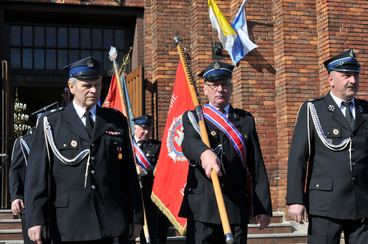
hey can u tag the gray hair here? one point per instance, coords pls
(73, 80)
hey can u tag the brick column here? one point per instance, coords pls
(297, 72)
(168, 18)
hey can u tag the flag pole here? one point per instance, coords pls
(128, 113)
(215, 180)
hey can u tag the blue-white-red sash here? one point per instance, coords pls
(142, 160)
(220, 121)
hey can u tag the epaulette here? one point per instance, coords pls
(241, 112)
(315, 99)
(114, 110)
(154, 141)
(52, 111)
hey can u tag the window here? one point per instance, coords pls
(51, 47)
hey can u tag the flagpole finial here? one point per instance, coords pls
(177, 40)
(113, 53)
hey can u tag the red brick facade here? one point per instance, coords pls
(294, 38)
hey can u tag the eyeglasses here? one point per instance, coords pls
(216, 85)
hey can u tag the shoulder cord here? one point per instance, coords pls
(196, 128)
(25, 149)
(217, 150)
(327, 142)
(50, 139)
(193, 122)
(317, 124)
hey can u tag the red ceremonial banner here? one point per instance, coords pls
(114, 98)
(172, 167)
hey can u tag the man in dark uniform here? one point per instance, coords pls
(81, 182)
(235, 155)
(147, 151)
(17, 173)
(329, 157)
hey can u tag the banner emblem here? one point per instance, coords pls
(174, 139)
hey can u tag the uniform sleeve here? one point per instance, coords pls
(132, 184)
(36, 181)
(298, 157)
(261, 194)
(17, 172)
(192, 145)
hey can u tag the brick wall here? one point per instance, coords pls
(294, 38)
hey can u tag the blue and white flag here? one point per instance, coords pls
(242, 44)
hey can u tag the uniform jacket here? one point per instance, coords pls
(110, 201)
(151, 149)
(199, 200)
(17, 171)
(336, 186)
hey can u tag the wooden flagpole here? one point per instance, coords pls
(215, 180)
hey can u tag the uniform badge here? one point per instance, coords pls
(245, 136)
(336, 132)
(213, 133)
(331, 107)
(74, 143)
(120, 155)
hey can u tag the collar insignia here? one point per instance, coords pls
(331, 108)
(360, 108)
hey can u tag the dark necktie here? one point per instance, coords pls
(348, 115)
(89, 123)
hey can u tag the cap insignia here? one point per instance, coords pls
(216, 65)
(351, 53)
(90, 63)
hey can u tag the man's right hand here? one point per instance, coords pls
(16, 206)
(35, 234)
(140, 171)
(210, 162)
(298, 213)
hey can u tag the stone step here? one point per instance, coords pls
(11, 242)
(277, 238)
(10, 224)
(272, 228)
(278, 231)
(10, 234)
(277, 217)
(7, 214)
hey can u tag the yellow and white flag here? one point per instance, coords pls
(226, 32)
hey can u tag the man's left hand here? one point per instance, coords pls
(263, 220)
